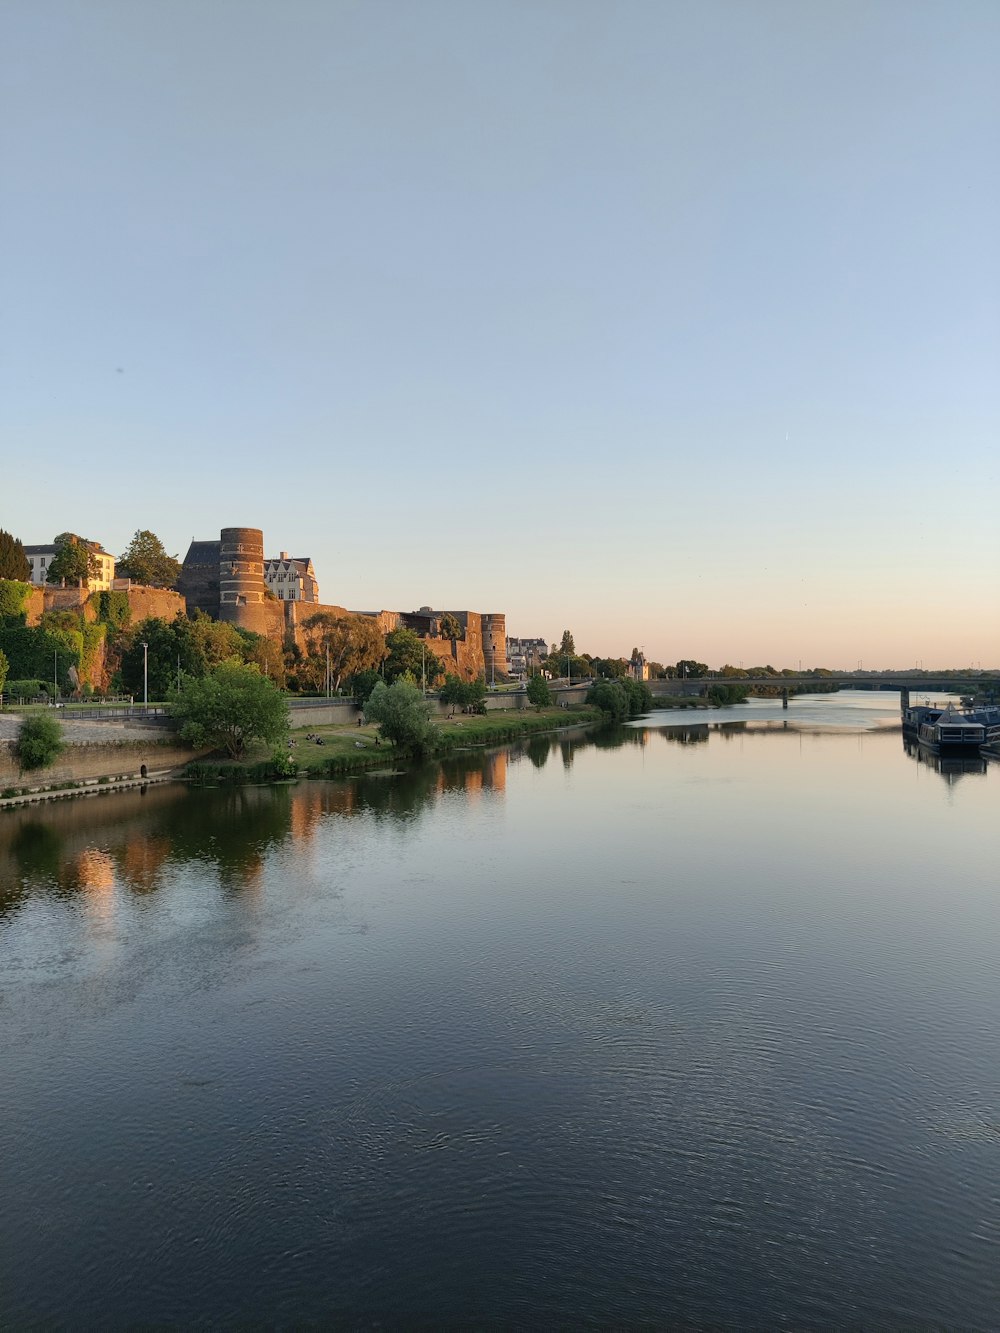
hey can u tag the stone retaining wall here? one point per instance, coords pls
(110, 760)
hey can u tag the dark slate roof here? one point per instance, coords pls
(203, 553)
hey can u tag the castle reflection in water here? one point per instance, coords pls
(134, 841)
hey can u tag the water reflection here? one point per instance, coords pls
(678, 1025)
(135, 840)
(949, 767)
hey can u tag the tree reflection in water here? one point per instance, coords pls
(132, 842)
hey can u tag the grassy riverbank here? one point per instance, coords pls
(338, 750)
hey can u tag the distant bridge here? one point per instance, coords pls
(907, 682)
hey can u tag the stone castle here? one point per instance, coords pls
(231, 580)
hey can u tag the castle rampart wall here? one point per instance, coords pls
(143, 602)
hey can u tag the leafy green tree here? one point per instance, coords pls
(640, 697)
(732, 673)
(611, 697)
(354, 643)
(13, 562)
(723, 695)
(39, 742)
(13, 601)
(73, 561)
(232, 707)
(538, 693)
(264, 653)
(567, 646)
(402, 715)
(465, 693)
(362, 683)
(209, 642)
(451, 626)
(146, 561)
(166, 641)
(576, 668)
(453, 691)
(4, 668)
(614, 668)
(687, 667)
(407, 655)
(620, 698)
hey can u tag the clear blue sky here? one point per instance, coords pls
(674, 324)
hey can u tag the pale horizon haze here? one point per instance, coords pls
(676, 325)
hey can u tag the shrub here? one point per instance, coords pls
(538, 692)
(39, 742)
(402, 716)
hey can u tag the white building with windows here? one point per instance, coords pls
(41, 557)
(524, 656)
(291, 578)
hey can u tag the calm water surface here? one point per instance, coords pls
(698, 1021)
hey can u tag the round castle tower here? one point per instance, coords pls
(241, 574)
(494, 644)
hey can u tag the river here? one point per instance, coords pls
(694, 1022)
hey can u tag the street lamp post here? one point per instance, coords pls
(145, 674)
(55, 674)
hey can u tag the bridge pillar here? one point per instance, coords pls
(784, 697)
(904, 698)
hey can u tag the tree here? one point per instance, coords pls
(723, 695)
(407, 654)
(13, 603)
(13, 562)
(73, 561)
(354, 644)
(233, 706)
(402, 715)
(567, 646)
(620, 698)
(465, 693)
(451, 626)
(264, 653)
(209, 642)
(4, 668)
(687, 668)
(453, 691)
(362, 683)
(615, 668)
(156, 666)
(640, 697)
(146, 561)
(538, 692)
(610, 697)
(39, 742)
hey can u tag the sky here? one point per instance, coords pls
(673, 324)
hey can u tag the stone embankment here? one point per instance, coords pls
(100, 755)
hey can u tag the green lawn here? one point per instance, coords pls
(346, 748)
